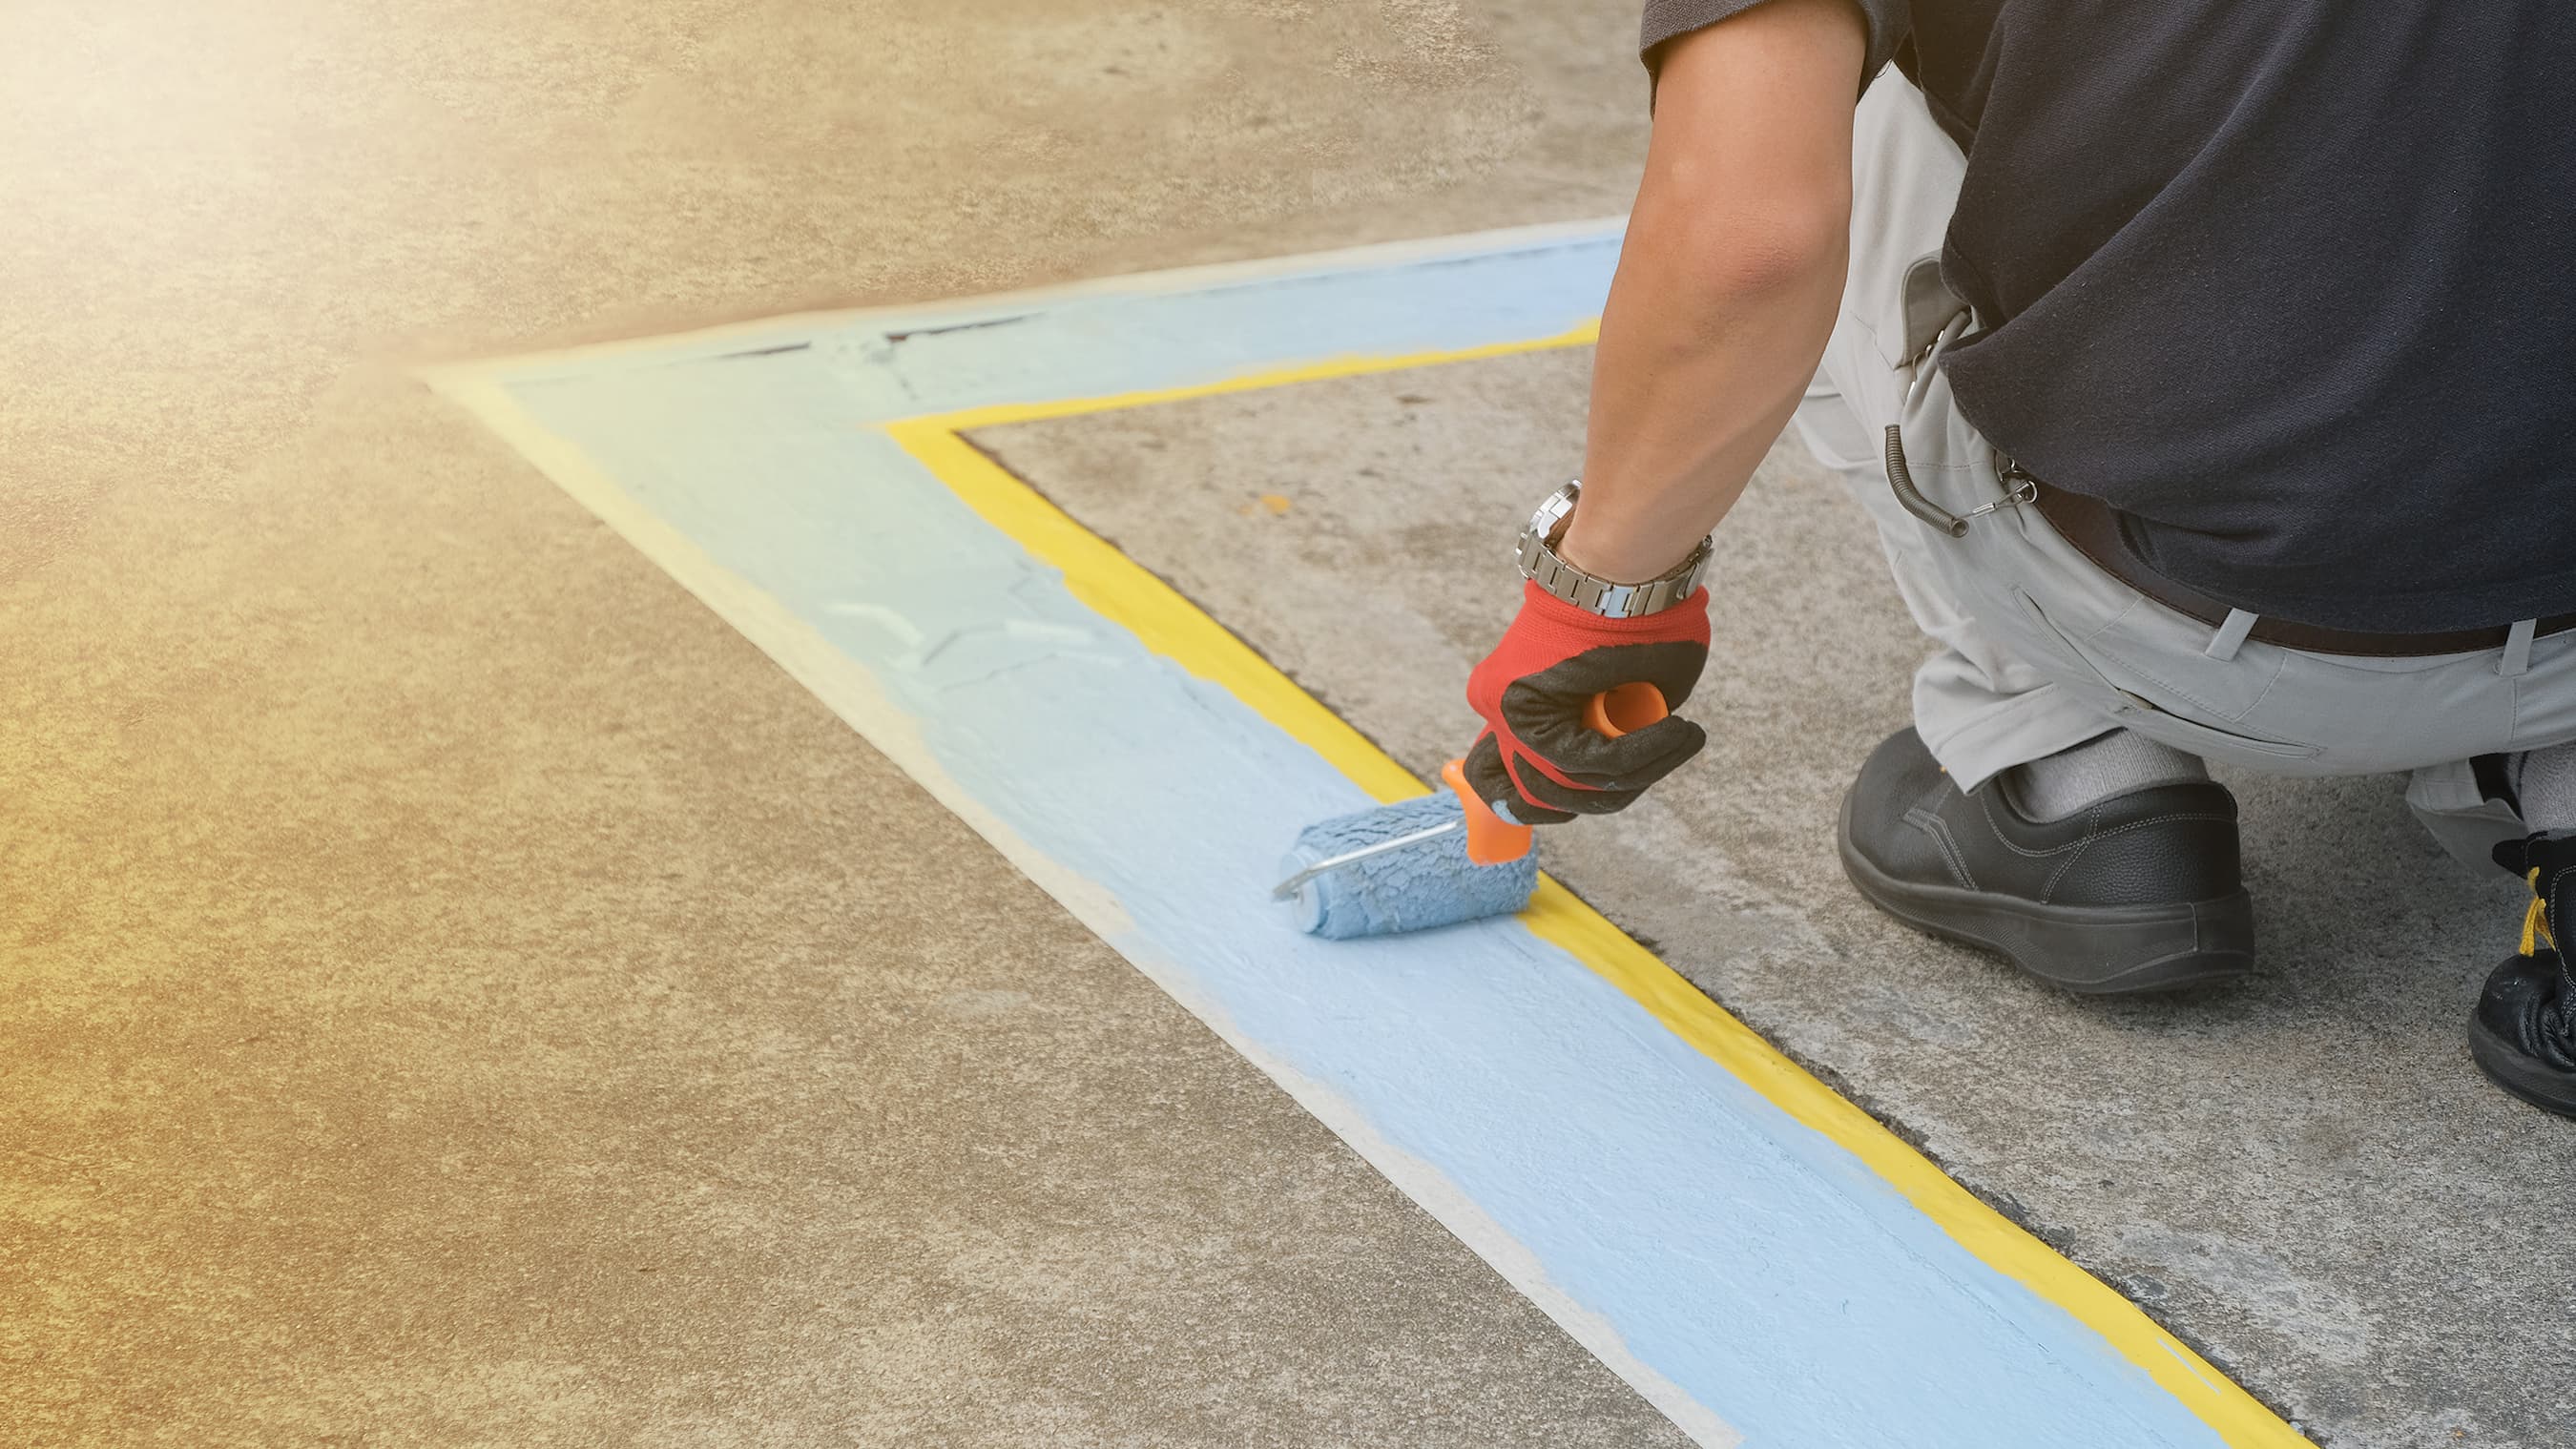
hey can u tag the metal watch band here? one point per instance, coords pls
(1541, 566)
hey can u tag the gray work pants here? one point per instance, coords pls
(2039, 649)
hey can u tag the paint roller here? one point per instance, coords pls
(1434, 860)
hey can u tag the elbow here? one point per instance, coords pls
(1718, 252)
(1781, 250)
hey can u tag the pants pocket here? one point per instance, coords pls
(2132, 704)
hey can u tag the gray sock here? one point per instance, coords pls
(2545, 781)
(2101, 767)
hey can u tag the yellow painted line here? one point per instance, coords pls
(1129, 595)
(1357, 365)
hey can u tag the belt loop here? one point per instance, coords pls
(2224, 643)
(2517, 649)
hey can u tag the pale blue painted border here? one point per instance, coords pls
(1747, 1273)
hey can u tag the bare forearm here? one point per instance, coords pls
(1690, 387)
(1728, 285)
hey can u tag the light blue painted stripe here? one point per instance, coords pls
(890, 366)
(1747, 1261)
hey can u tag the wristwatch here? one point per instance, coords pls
(1540, 564)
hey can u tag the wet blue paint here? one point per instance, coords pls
(1747, 1259)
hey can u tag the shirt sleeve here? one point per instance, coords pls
(1889, 23)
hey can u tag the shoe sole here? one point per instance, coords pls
(2513, 1071)
(2094, 950)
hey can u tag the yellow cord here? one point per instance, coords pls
(2535, 921)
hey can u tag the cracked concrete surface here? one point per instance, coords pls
(2304, 1176)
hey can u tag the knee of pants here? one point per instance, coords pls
(2451, 806)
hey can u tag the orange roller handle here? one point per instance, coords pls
(1492, 840)
(1624, 710)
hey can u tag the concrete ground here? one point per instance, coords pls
(459, 993)
(2303, 1176)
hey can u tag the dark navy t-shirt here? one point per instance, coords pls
(2289, 283)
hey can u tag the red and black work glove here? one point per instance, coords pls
(1537, 762)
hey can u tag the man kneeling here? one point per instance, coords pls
(2211, 398)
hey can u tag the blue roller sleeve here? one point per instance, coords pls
(1412, 888)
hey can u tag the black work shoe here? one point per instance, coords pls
(2523, 1034)
(2140, 892)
